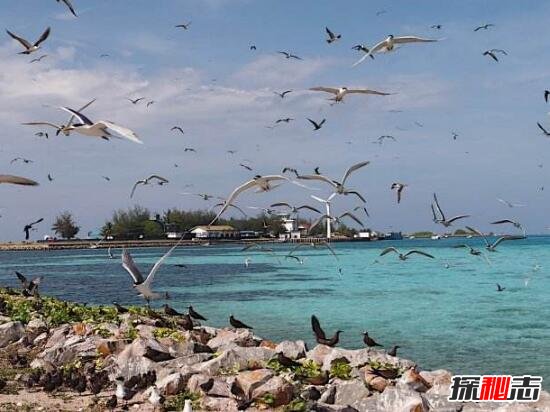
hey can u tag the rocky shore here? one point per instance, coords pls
(62, 356)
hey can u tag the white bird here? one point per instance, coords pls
(340, 92)
(510, 204)
(100, 128)
(262, 183)
(143, 286)
(247, 262)
(155, 398)
(160, 181)
(187, 406)
(30, 48)
(109, 253)
(388, 45)
(336, 219)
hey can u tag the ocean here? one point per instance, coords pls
(443, 312)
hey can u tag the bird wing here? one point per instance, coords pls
(438, 207)
(131, 268)
(488, 53)
(412, 39)
(281, 204)
(503, 238)
(419, 252)
(353, 217)
(542, 128)
(162, 179)
(356, 193)
(317, 177)
(330, 34)
(43, 37)
(319, 220)
(477, 232)
(353, 169)
(239, 209)
(314, 123)
(388, 250)
(499, 222)
(81, 109)
(21, 40)
(17, 180)
(21, 277)
(324, 89)
(123, 131)
(157, 266)
(379, 46)
(367, 91)
(78, 115)
(316, 326)
(41, 124)
(325, 244)
(457, 218)
(245, 186)
(309, 208)
(70, 6)
(36, 222)
(139, 182)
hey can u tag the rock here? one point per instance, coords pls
(281, 391)
(324, 355)
(58, 336)
(131, 361)
(267, 344)
(311, 393)
(219, 404)
(325, 407)
(235, 360)
(353, 393)
(292, 349)
(228, 338)
(329, 395)
(413, 380)
(37, 324)
(249, 380)
(108, 347)
(11, 332)
(40, 339)
(402, 399)
(438, 377)
(171, 384)
(378, 384)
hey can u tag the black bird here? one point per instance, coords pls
(286, 120)
(484, 27)
(436, 26)
(195, 315)
(69, 6)
(546, 133)
(546, 93)
(500, 288)
(237, 324)
(289, 55)
(245, 166)
(42, 134)
(286, 361)
(320, 336)
(27, 229)
(180, 265)
(29, 287)
(290, 169)
(367, 340)
(317, 126)
(316, 171)
(253, 47)
(473, 251)
(177, 128)
(170, 311)
(136, 101)
(492, 53)
(184, 26)
(283, 94)
(364, 49)
(120, 309)
(332, 37)
(50, 178)
(186, 322)
(393, 351)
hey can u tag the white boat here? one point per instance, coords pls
(435, 237)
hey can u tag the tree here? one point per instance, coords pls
(127, 224)
(65, 226)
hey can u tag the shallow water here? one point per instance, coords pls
(449, 318)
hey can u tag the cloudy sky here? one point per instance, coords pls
(208, 81)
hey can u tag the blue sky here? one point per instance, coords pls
(208, 81)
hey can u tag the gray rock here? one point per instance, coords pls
(292, 349)
(281, 390)
(324, 355)
(171, 384)
(402, 398)
(209, 403)
(235, 360)
(329, 395)
(10, 332)
(353, 393)
(250, 380)
(229, 338)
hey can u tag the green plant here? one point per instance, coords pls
(169, 333)
(340, 369)
(177, 402)
(309, 369)
(296, 405)
(131, 333)
(268, 399)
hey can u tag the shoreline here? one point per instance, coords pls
(58, 355)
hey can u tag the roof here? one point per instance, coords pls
(220, 228)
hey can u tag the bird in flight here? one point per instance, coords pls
(178, 128)
(320, 336)
(436, 26)
(30, 48)
(160, 181)
(510, 204)
(317, 126)
(546, 133)
(492, 247)
(500, 288)
(389, 43)
(484, 27)
(517, 225)
(284, 120)
(441, 219)
(38, 59)
(17, 180)
(151, 102)
(334, 218)
(289, 55)
(405, 256)
(332, 37)
(29, 287)
(42, 134)
(492, 53)
(189, 149)
(546, 93)
(283, 94)
(184, 26)
(363, 48)
(245, 166)
(340, 92)
(69, 6)
(136, 101)
(50, 178)
(26, 161)
(27, 229)
(398, 187)
(107, 178)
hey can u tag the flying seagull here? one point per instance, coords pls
(245, 166)
(30, 48)
(283, 94)
(492, 247)
(388, 45)
(363, 48)
(510, 204)
(27, 229)
(472, 251)
(405, 256)
(38, 59)
(484, 27)
(332, 37)
(339, 187)
(341, 92)
(500, 288)
(17, 180)
(177, 128)
(398, 187)
(546, 133)
(363, 208)
(294, 209)
(26, 161)
(100, 128)
(546, 93)
(317, 126)
(29, 287)
(441, 219)
(436, 26)
(285, 120)
(69, 6)
(513, 223)
(136, 101)
(184, 26)
(289, 55)
(160, 181)
(143, 286)
(492, 53)
(336, 219)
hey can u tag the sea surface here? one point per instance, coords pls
(444, 312)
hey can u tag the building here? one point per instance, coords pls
(215, 232)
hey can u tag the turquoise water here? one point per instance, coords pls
(449, 318)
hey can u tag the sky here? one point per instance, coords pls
(208, 81)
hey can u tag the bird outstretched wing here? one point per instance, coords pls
(316, 326)
(130, 266)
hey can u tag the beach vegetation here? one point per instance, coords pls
(309, 369)
(340, 369)
(296, 405)
(177, 402)
(169, 333)
(65, 226)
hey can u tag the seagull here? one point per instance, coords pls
(331, 36)
(17, 180)
(289, 55)
(317, 126)
(381, 139)
(316, 171)
(184, 26)
(406, 255)
(285, 120)
(484, 27)
(253, 47)
(500, 288)
(38, 59)
(546, 93)
(515, 224)
(388, 45)
(177, 128)
(472, 251)
(283, 94)
(315, 245)
(189, 149)
(290, 169)
(155, 397)
(136, 101)
(247, 262)
(492, 247)
(399, 188)
(442, 218)
(245, 166)
(339, 187)
(69, 6)
(149, 103)
(436, 26)
(30, 48)
(29, 287)
(300, 261)
(30, 227)
(455, 135)
(546, 133)
(340, 92)
(160, 181)
(50, 178)
(262, 183)
(42, 134)
(204, 196)
(107, 178)
(493, 52)
(99, 128)
(336, 219)
(320, 336)
(26, 161)
(363, 208)
(143, 286)
(294, 209)
(509, 204)
(65, 129)
(221, 204)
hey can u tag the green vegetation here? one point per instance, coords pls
(131, 333)
(65, 226)
(297, 405)
(422, 234)
(268, 399)
(340, 368)
(177, 402)
(309, 369)
(169, 333)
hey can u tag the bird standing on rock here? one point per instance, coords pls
(368, 340)
(237, 324)
(195, 315)
(393, 351)
(170, 311)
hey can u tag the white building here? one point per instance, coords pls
(215, 232)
